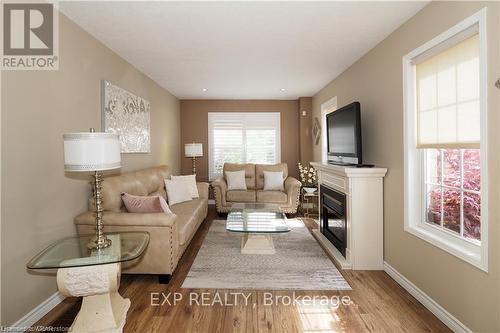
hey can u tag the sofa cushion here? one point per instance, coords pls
(191, 181)
(271, 196)
(188, 213)
(273, 181)
(240, 196)
(236, 180)
(259, 172)
(249, 172)
(144, 182)
(177, 191)
(145, 204)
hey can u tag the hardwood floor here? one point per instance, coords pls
(378, 304)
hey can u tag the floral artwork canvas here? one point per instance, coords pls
(127, 115)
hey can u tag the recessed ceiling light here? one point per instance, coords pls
(204, 89)
(282, 89)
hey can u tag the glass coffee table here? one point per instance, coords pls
(257, 222)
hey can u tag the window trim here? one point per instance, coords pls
(414, 223)
(211, 115)
(326, 108)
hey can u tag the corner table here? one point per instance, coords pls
(94, 275)
(309, 203)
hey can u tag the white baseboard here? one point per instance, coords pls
(41, 310)
(447, 318)
(211, 201)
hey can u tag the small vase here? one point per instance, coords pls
(310, 190)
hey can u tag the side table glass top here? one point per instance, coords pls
(256, 218)
(73, 251)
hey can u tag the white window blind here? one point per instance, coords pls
(448, 104)
(242, 137)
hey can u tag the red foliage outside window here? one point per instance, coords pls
(452, 191)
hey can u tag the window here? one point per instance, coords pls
(453, 191)
(242, 137)
(445, 141)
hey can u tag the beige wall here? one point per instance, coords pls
(38, 200)
(375, 80)
(305, 124)
(194, 128)
(0, 196)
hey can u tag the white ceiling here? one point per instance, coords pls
(241, 50)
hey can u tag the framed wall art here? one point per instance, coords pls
(127, 115)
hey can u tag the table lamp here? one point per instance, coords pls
(93, 152)
(193, 150)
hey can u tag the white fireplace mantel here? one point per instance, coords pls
(363, 188)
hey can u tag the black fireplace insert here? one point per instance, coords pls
(333, 219)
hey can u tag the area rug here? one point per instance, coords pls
(299, 263)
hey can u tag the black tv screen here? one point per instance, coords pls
(344, 132)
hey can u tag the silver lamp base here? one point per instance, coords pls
(98, 244)
(100, 241)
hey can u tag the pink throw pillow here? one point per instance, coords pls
(143, 204)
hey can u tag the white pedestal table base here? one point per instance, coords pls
(103, 309)
(257, 244)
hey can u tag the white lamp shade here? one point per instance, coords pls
(193, 149)
(91, 151)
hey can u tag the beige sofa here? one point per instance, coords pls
(288, 199)
(170, 234)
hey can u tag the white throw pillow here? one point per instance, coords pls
(236, 180)
(177, 191)
(191, 182)
(273, 181)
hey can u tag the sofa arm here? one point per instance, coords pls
(129, 219)
(292, 184)
(220, 189)
(292, 189)
(203, 190)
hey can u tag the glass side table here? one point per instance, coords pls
(93, 275)
(309, 203)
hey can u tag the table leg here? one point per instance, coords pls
(103, 308)
(257, 244)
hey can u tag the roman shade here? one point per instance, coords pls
(447, 93)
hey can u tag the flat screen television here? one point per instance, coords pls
(344, 135)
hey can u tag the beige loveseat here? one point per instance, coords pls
(170, 234)
(288, 199)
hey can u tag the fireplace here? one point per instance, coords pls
(333, 217)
